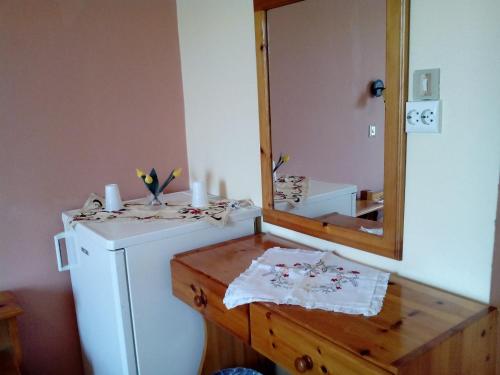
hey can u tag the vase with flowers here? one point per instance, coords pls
(152, 183)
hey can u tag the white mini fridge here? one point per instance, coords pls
(129, 321)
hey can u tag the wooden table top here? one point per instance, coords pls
(8, 306)
(414, 316)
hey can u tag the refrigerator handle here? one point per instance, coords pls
(57, 238)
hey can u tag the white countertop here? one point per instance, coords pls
(117, 235)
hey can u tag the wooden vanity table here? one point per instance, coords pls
(305, 100)
(420, 330)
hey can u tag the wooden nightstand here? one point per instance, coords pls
(10, 345)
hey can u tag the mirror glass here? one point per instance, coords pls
(326, 79)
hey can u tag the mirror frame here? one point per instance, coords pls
(390, 244)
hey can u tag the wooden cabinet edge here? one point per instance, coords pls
(238, 349)
(469, 350)
(488, 313)
(243, 334)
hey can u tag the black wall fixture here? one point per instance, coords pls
(377, 88)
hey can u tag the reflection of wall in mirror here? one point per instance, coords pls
(323, 55)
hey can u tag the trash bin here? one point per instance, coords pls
(237, 371)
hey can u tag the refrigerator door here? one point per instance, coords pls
(169, 335)
(100, 291)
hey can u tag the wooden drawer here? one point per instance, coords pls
(206, 295)
(294, 347)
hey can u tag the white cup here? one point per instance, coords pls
(113, 199)
(200, 196)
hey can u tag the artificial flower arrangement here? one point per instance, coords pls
(282, 160)
(153, 184)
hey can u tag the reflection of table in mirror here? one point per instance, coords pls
(324, 198)
(371, 210)
(355, 223)
(364, 207)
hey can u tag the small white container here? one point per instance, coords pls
(113, 198)
(200, 196)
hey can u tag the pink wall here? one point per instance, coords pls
(323, 55)
(90, 90)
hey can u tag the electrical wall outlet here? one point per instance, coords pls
(423, 116)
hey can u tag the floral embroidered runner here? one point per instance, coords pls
(291, 189)
(312, 279)
(216, 213)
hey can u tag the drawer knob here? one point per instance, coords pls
(197, 301)
(304, 363)
(200, 300)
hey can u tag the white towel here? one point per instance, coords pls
(312, 279)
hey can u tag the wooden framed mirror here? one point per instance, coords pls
(332, 77)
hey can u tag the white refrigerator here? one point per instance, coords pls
(129, 321)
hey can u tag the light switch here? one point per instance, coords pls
(423, 116)
(426, 84)
(372, 131)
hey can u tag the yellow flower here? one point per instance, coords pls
(139, 173)
(286, 158)
(177, 172)
(148, 179)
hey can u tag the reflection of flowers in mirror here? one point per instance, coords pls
(284, 158)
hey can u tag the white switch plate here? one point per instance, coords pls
(426, 84)
(423, 116)
(372, 131)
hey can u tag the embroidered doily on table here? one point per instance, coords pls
(312, 279)
(291, 189)
(216, 213)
